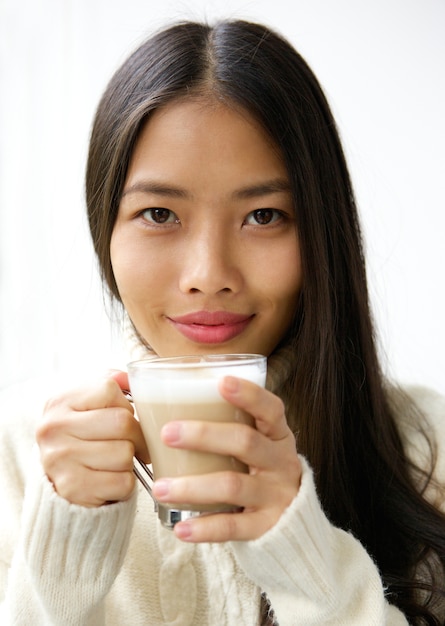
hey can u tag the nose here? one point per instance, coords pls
(211, 263)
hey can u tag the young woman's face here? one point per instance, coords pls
(205, 248)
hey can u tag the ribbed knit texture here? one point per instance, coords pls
(66, 565)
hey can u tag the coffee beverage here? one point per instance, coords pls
(171, 462)
(186, 388)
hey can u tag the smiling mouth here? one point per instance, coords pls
(211, 327)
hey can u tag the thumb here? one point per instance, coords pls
(121, 378)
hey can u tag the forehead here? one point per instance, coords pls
(205, 106)
(204, 136)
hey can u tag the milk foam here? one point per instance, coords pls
(181, 386)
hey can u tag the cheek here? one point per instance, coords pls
(281, 278)
(282, 289)
(287, 299)
(133, 270)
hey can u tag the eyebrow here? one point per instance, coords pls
(159, 189)
(276, 185)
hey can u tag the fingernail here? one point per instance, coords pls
(161, 488)
(171, 432)
(183, 531)
(231, 384)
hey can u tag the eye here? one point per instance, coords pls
(263, 217)
(159, 215)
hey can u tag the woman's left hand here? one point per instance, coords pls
(270, 452)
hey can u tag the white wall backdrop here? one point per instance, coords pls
(382, 65)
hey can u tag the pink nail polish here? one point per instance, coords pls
(231, 384)
(183, 531)
(161, 488)
(171, 432)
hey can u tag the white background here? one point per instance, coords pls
(381, 63)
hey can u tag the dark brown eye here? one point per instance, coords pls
(160, 216)
(263, 217)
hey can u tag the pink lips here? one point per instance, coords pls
(211, 326)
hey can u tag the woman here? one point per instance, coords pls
(223, 218)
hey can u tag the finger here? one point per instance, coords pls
(95, 424)
(94, 488)
(252, 492)
(265, 407)
(223, 527)
(105, 393)
(229, 439)
(114, 423)
(217, 488)
(121, 378)
(110, 424)
(108, 456)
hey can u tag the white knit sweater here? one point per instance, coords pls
(63, 564)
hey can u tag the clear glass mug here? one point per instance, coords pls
(186, 388)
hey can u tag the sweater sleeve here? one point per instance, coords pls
(314, 573)
(66, 557)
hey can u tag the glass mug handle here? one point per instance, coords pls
(139, 469)
(168, 516)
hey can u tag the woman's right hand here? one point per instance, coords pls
(87, 441)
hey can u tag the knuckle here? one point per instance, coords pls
(280, 408)
(53, 457)
(58, 464)
(49, 426)
(110, 389)
(54, 402)
(232, 483)
(230, 526)
(69, 486)
(122, 422)
(247, 439)
(126, 484)
(44, 430)
(66, 486)
(201, 430)
(295, 469)
(126, 454)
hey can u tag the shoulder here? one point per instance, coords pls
(19, 413)
(21, 407)
(420, 416)
(416, 407)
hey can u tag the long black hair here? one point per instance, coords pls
(335, 393)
